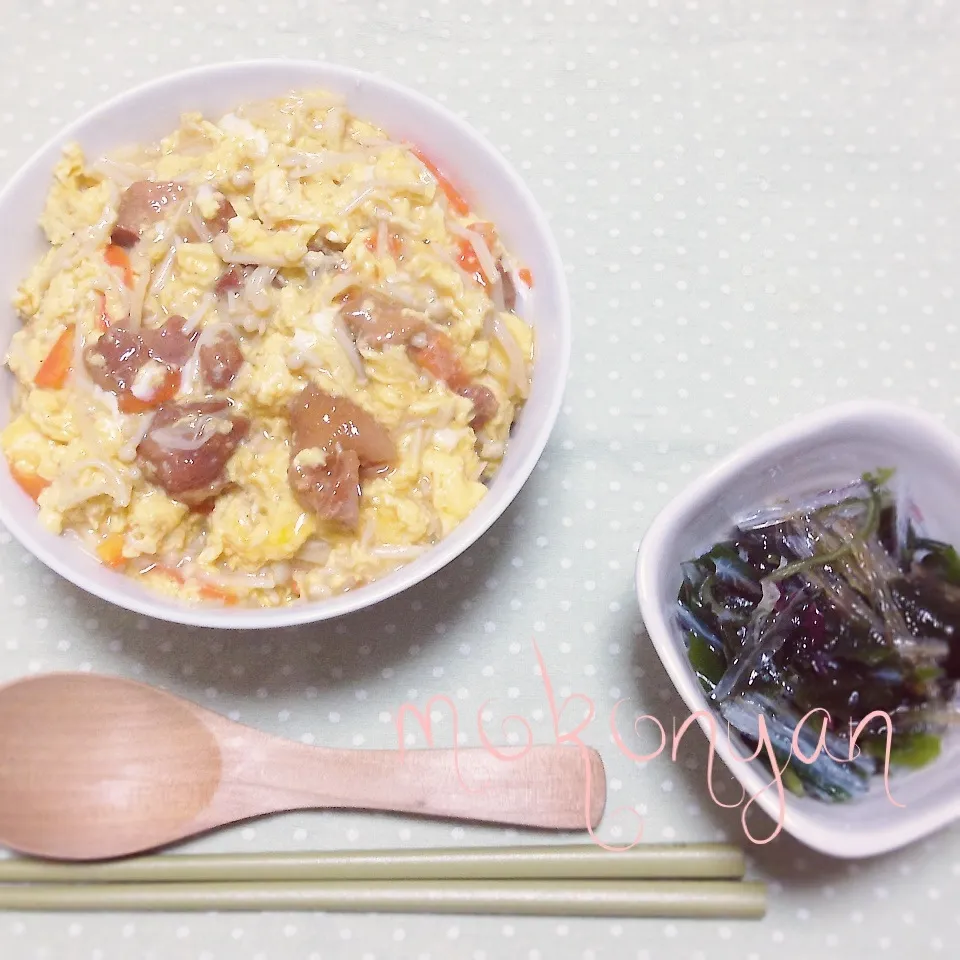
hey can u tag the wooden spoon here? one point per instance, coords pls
(93, 767)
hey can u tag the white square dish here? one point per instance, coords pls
(834, 446)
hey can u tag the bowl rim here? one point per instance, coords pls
(484, 516)
(813, 831)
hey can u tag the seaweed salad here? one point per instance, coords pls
(841, 602)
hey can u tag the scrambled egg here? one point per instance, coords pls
(318, 202)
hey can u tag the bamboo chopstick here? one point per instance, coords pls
(582, 898)
(575, 861)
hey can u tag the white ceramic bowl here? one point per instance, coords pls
(487, 181)
(811, 454)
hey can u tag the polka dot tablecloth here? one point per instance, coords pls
(758, 204)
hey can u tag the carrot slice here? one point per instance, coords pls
(110, 551)
(210, 592)
(56, 365)
(467, 258)
(167, 390)
(454, 197)
(394, 244)
(31, 484)
(172, 572)
(206, 590)
(486, 230)
(526, 275)
(103, 321)
(439, 357)
(118, 257)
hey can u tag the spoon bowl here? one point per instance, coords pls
(95, 767)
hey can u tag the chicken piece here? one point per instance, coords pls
(170, 343)
(143, 203)
(378, 320)
(230, 279)
(323, 422)
(114, 361)
(508, 286)
(118, 356)
(187, 447)
(484, 404)
(333, 439)
(220, 361)
(330, 491)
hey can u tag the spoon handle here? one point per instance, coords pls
(546, 786)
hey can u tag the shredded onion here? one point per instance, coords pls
(224, 248)
(336, 123)
(163, 272)
(366, 536)
(375, 186)
(451, 261)
(194, 320)
(398, 295)
(255, 288)
(128, 452)
(484, 257)
(235, 304)
(120, 172)
(199, 227)
(138, 295)
(109, 284)
(340, 285)
(357, 200)
(416, 445)
(518, 367)
(496, 294)
(315, 552)
(78, 369)
(108, 217)
(317, 264)
(349, 348)
(382, 239)
(191, 433)
(191, 369)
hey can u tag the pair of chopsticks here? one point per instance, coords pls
(650, 880)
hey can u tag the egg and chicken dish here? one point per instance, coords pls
(268, 359)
